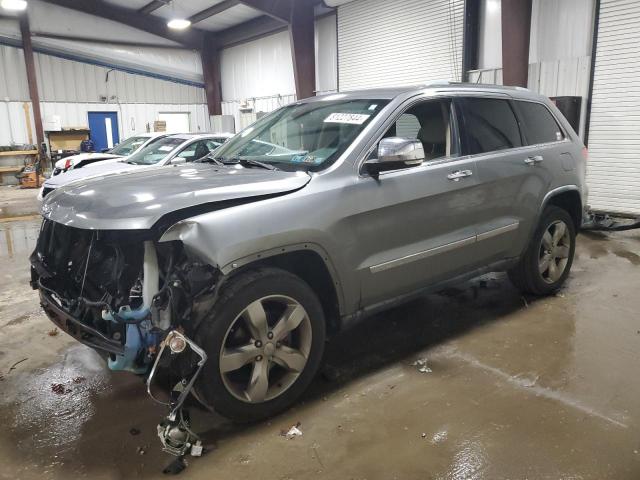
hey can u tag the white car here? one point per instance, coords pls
(172, 149)
(125, 148)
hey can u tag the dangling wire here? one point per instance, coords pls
(86, 266)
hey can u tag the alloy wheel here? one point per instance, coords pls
(265, 349)
(555, 247)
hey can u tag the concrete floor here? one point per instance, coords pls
(518, 388)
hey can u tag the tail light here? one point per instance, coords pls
(585, 153)
(67, 164)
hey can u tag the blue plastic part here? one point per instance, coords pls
(137, 337)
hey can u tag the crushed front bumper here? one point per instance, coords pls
(78, 330)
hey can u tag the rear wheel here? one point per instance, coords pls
(545, 265)
(265, 341)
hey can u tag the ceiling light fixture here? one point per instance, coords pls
(178, 23)
(16, 5)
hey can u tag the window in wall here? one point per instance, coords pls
(538, 124)
(489, 125)
(177, 122)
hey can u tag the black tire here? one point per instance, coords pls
(235, 297)
(526, 275)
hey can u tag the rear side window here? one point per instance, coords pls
(538, 124)
(489, 125)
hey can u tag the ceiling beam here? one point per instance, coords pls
(278, 9)
(213, 10)
(152, 6)
(191, 37)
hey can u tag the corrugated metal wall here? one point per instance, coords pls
(614, 133)
(259, 73)
(383, 43)
(62, 80)
(132, 117)
(71, 89)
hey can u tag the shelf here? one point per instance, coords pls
(18, 152)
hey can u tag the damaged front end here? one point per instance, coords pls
(130, 298)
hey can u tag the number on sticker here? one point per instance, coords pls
(351, 118)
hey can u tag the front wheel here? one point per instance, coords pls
(264, 339)
(545, 265)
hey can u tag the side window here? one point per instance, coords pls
(428, 122)
(489, 125)
(195, 151)
(538, 124)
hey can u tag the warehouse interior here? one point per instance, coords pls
(473, 381)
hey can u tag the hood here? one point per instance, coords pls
(75, 159)
(137, 200)
(90, 171)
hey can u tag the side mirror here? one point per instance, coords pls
(178, 160)
(395, 153)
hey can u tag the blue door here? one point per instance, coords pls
(104, 130)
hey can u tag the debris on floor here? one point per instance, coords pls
(293, 432)
(78, 380)
(421, 363)
(175, 467)
(54, 332)
(13, 367)
(59, 389)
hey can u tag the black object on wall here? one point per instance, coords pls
(570, 108)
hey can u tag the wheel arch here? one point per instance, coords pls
(308, 261)
(569, 199)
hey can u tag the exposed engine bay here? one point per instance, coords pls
(135, 301)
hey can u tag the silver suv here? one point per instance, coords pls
(231, 272)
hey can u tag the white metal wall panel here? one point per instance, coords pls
(614, 133)
(62, 80)
(265, 104)
(13, 74)
(384, 43)
(133, 118)
(259, 68)
(326, 46)
(13, 124)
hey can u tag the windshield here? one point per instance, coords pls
(128, 146)
(307, 136)
(157, 151)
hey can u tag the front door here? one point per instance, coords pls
(104, 130)
(417, 224)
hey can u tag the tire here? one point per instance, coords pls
(229, 338)
(527, 275)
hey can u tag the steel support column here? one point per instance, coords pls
(516, 28)
(210, 54)
(32, 82)
(302, 33)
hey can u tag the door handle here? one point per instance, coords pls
(458, 174)
(534, 160)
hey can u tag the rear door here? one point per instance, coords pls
(511, 174)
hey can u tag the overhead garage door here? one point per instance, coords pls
(613, 173)
(385, 43)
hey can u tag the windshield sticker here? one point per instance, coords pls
(351, 118)
(165, 148)
(373, 107)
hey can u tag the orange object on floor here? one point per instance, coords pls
(29, 180)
